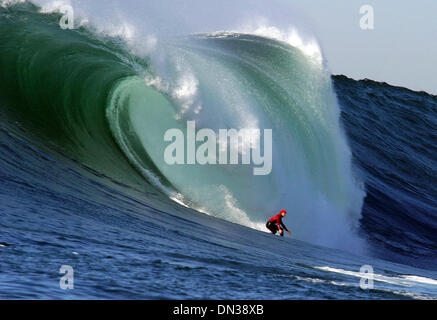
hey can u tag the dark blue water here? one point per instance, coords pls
(70, 196)
(392, 132)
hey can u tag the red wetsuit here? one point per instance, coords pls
(275, 223)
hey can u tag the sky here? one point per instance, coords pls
(401, 49)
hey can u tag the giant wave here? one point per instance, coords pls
(92, 97)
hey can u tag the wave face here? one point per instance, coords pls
(89, 97)
(393, 132)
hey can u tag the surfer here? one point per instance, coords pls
(275, 223)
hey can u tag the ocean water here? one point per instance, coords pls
(83, 182)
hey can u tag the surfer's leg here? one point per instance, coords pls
(272, 227)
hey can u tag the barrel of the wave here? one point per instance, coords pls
(238, 81)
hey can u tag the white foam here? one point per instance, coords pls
(183, 89)
(420, 279)
(290, 35)
(403, 280)
(5, 3)
(356, 285)
(55, 6)
(185, 92)
(231, 212)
